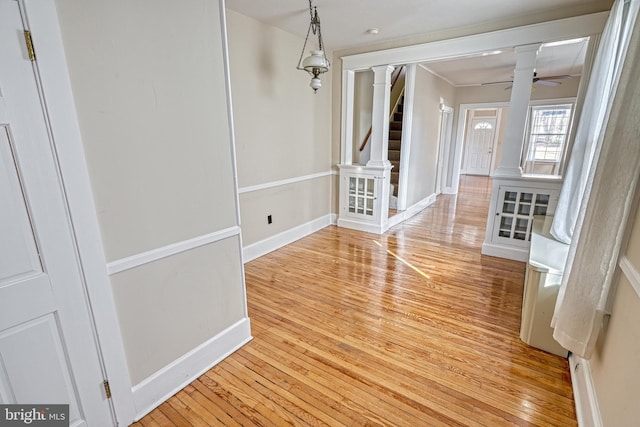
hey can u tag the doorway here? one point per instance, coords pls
(480, 141)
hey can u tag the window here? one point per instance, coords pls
(548, 131)
(483, 125)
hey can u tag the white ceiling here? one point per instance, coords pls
(497, 66)
(345, 23)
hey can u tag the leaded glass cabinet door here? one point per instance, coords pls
(361, 196)
(514, 214)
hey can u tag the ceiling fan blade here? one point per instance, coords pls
(546, 83)
(565, 76)
(496, 83)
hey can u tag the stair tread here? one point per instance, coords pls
(395, 144)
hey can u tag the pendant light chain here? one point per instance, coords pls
(304, 46)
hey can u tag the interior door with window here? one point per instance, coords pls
(479, 145)
(48, 347)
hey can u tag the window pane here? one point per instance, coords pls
(483, 125)
(548, 130)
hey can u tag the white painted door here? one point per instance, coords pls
(479, 152)
(48, 348)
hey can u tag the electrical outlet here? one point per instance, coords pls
(269, 219)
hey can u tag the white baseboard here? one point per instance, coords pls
(394, 220)
(263, 247)
(164, 383)
(361, 226)
(334, 218)
(508, 252)
(587, 409)
(449, 190)
(412, 211)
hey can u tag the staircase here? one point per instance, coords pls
(395, 131)
(395, 141)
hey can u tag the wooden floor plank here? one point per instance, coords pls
(458, 366)
(172, 414)
(330, 402)
(159, 418)
(224, 399)
(414, 327)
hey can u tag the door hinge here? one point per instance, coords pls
(29, 41)
(107, 389)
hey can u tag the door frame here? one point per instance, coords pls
(460, 135)
(494, 141)
(52, 77)
(444, 145)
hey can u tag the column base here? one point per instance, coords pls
(503, 172)
(379, 163)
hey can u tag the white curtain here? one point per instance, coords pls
(604, 177)
(591, 124)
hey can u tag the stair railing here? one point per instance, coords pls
(394, 77)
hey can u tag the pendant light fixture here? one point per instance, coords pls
(316, 63)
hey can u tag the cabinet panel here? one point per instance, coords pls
(361, 195)
(514, 212)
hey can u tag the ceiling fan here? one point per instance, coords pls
(542, 81)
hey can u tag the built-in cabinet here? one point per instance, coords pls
(515, 211)
(545, 267)
(364, 197)
(514, 204)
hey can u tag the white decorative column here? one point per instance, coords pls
(516, 199)
(380, 116)
(518, 107)
(364, 190)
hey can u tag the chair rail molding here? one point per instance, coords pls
(146, 257)
(281, 182)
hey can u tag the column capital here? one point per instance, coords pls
(526, 56)
(380, 116)
(535, 47)
(382, 74)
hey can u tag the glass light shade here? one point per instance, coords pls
(315, 84)
(315, 61)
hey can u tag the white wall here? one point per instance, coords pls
(282, 129)
(149, 87)
(615, 366)
(423, 160)
(362, 110)
(497, 94)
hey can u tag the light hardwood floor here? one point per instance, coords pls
(411, 328)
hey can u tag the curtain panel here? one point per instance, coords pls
(605, 175)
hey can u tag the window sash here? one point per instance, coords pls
(548, 132)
